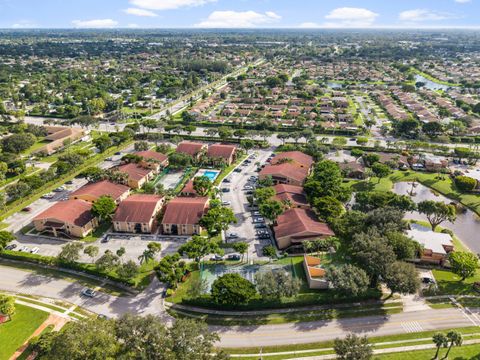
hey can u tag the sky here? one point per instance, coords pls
(239, 13)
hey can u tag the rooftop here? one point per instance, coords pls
(138, 208)
(185, 210)
(70, 211)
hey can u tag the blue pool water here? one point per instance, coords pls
(212, 175)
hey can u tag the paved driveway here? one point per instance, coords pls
(239, 204)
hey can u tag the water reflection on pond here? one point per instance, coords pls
(429, 84)
(467, 225)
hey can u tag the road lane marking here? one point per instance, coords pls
(412, 326)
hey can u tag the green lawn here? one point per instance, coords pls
(15, 332)
(457, 353)
(99, 231)
(450, 284)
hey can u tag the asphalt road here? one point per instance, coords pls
(150, 302)
(25, 282)
(298, 333)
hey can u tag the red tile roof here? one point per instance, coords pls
(134, 171)
(221, 151)
(138, 208)
(70, 211)
(101, 188)
(292, 193)
(286, 170)
(185, 210)
(152, 155)
(188, 188)
(190, 148)
(300, 222)
(297, 157)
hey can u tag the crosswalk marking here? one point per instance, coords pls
(412, 326)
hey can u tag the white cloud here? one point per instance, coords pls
(422, 15)
(23, 24)
(96, 23)
(350, 17)
(309, 25)
(462, 1)
(168, 4)
(139, 12)
(238, 19)
(133, 26)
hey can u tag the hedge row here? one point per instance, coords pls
(53, 262)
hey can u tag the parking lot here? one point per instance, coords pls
(133, 245)
(240, 185)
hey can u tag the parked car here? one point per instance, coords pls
(238, 170)
(249, 192)
(59, 189)
(48, 196)
(109, 158)
(34, 250)
(89, 292)
(27, 209)
(232, 235)
(225, 190)
(256, 213)
(216, 258)
(248, 187)
(104, 239)
(258, 220)
(227, 180)
(10, 247)
(69, 182)
(263, 236)
(428, 280)
(118, 153)
(259, 226)
(234, 257)
(226, 203)
(24, 248)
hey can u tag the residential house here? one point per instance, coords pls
(70, 218)
(220, 153)
(286, 173)
(137, 174)
(293, 196)
(59, 136)
(296, 225)
(182, 215)
(138, 213)
(93, 190)
(435, 246)
(153, 160)
(297, 158)
(193, 149)
(315, 273)
(353, 169)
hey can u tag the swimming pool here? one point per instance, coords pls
(210, 174)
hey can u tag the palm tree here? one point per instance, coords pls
(439, 340)
(455, 338)
(146, 256)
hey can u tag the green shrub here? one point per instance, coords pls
(465, 183)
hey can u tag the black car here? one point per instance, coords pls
(10, 247)
(238, 170)
(226, 180)
(259, 226)
(234, 257)
(263, 236)
(225, 190)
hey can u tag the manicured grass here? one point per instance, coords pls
(28, 351)
(46, 305)
(98, 232)
(15, 332)
(183, 288)
(225, 172)
(457, 353)
(449, 284)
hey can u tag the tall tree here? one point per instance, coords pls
(463, 263)
(402, 278)
(202, 185)
(218, 219)
(70, 252)
(440, 340)
(455, 338)
(437, 212)
(91, 250)
(353, 347)
(198, 247)
(275, 285)
(348, 279)
(104, 207)
(232, 289)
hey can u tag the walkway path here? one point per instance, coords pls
(57, 321)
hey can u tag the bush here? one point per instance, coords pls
(465, 183)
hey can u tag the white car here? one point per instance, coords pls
(34, 250)
(232, 235)
(24, 249)
(226, 203)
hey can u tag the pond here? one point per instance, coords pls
(467, 225)
(429, 84)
